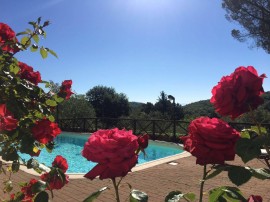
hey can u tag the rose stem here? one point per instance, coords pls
(116, 190)
(202, 182)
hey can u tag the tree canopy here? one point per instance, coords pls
(76, 107)
(107, 102)
(254, 18)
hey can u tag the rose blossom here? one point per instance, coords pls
(45, 131)
(7, 35)
(27, 73)
(237, 93)
(27, 190)
(143, 141)
(60, 162)
(54, 180)
(65, 89)
(211, 141)
(7, 122)
(113, 150)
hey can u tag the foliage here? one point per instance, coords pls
(200, 108)
(76, 107)
(27, 124)
(107, 102)
(213, 141)
(254, 18)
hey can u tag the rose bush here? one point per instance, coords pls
(26, 115)
(211, 141)
(56, 178)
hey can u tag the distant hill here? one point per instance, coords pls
(135, 104)
(200, 108)
(205, 108)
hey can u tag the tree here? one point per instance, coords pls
(163, 103)
(254, 17)
(76, 107)
(108, 103)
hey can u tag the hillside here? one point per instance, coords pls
(200, 108)
(205, 108)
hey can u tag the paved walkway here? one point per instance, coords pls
(156, 181)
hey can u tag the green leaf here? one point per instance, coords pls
(214, 173)
(226, 193)
(239, 175)
(233, 194)
(94, 195)
(259, 131)
(260, 173)
(38, 186)
(247, 149)
(51, 118)
(34, 48)
(138, 196)
(42, 197)
(53, 53)
(25, 41)
(43, 52)
(189, 196)
(14, 68)
(51, 103)
(57, 98)
(36, 38)
(214, 194)
(245, 134)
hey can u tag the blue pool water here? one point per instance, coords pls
(70, 145)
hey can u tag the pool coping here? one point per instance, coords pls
(138, 167)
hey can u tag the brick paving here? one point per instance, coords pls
(156, 181)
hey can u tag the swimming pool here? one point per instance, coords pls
(70, 145)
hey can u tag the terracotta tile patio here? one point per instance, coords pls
(156, 181)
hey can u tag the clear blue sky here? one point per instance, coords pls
(139, 47)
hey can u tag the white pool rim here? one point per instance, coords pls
(138, 167)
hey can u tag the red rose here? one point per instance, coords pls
(7, 122)
(113, 150)
(65, 89)
(45, 131)
(8, 39)
(27, 190)
(237, 93)
(61, 163)
(27, 73)
(254, 198)
(143, 141)
(211, 141)
(54, 180)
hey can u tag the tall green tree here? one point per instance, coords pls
(254, 18)
(107, 102)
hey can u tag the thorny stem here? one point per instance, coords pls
(116, 189)
(202, 182)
